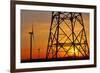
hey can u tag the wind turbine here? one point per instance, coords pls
(31, 33)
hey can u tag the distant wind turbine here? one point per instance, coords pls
(31, 37)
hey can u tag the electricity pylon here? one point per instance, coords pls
(67, 37)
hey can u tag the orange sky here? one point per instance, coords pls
(41, 24)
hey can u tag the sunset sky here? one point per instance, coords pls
(41, 24)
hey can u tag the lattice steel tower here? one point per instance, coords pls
(67, 37)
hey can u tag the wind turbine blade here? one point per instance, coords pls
(32, 27)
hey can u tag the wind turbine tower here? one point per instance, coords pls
(31, 37)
